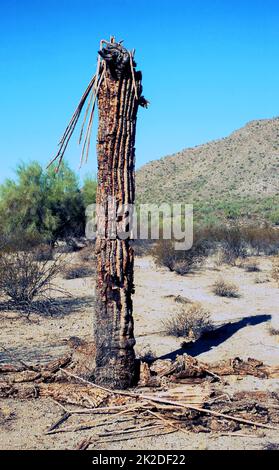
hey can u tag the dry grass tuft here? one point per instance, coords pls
(190, 322)
(225, 289)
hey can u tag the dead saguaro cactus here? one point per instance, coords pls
(117, 89)
(118, 99)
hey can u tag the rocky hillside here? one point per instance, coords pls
(237, 176)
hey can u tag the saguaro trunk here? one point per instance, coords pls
(118, 100)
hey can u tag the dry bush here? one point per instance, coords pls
(182, 300)
(261, 239)
(180, 261)
(271, 446)
(24, 279)
(252, 267)
(273, 331)
(233, 246)
(239, 241)
(143, 247)
(44, 253)
(77, 271)
(261, 279)
(87, 254)
(190, 322)
(225, 289)
(275, 269)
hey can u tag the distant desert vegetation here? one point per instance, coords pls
(234, 177)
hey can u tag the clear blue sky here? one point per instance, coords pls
(209, 66)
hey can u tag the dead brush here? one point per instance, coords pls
(225, 289)
(251, 267)
(44, 253)
(275, 269)
(87, 254)
(273, 331)
(27, 282)
(180, 261)
(190, 322)
(77, 271)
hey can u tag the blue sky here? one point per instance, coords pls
(209, 66)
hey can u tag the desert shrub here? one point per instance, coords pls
(275, 269)
(233, 245)
(273, 331)
(274, 217)
(23, 278)
(78, 271)
(261, 279)
(20, 241)
(225, 289)
(180, 261)
(190, 322)
(239, 241)
(164, 254)
(252, 267)
(44, 253)
(143, 247)
(271, 446)
(87, 254)
(261, 239)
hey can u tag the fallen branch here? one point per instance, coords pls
(113, 392)
(167, 422)
(211, 412)
(92, 424)
(59, 422)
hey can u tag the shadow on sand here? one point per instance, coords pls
(217, 336)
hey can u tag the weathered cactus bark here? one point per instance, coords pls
(118, 100)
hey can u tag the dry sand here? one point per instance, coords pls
(248, 335)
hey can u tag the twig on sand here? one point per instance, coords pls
(167, 422)
(86, 443)
(235, 434)
(131, 430)
(92, 424)
(59, 422)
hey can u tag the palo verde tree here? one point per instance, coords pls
(117, 89)
(42, 204)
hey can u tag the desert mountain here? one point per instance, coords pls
(234, 176)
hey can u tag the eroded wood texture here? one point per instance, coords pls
(114, 329)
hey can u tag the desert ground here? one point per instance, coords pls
(244, 324)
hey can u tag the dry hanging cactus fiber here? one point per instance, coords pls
(116, 88)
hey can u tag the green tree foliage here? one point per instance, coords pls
(89, 190)
(44, 204)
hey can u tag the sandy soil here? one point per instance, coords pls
(246, 335)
